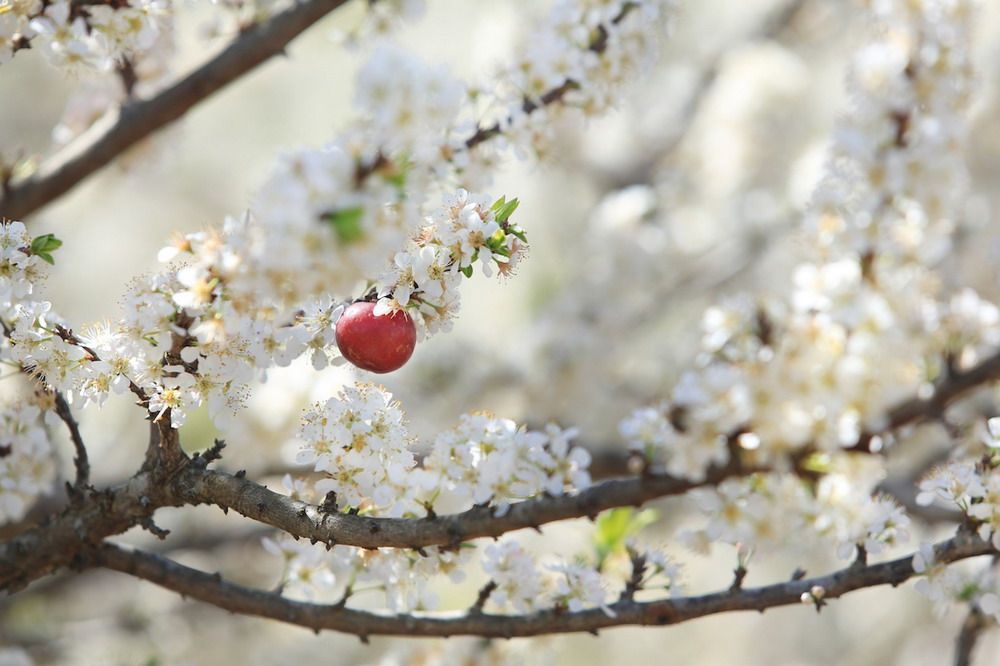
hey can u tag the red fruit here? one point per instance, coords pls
(377, 344)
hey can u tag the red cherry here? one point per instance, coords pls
(377, 344)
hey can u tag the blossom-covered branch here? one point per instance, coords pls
(45, 549)
(212, 589)
(139, 118)
(303, 520)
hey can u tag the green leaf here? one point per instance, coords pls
(615, 526)
(346, 223)
(45, 243)
(43, 246)
(467, 271)
(506, 210)
(503, 209)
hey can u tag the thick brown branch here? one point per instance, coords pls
(213, 590)
(307, 521)
(140, 118)
(65, 537)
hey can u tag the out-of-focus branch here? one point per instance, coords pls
(965, 644)
(951, 387)
(212, 589)
(904, 491)
(137, 119)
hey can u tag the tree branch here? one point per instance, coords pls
(64, 537)
(212, 589)
(138, 119)
(950, 388)
(59, 543)
(304, 520)
(81, 461)
(255, 501)
(598, 44)
(975, 623)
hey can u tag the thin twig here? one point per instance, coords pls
(81, 460)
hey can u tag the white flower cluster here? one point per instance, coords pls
(524, 585)
(583, 53)
(409, 104)
(486, 459)
(866, 325)
(946, 585)
(403, 576)
(971, 483)
(307, 567)
(578, 587)
(588, 48)
(358, 441)
(33, 340)
(27, 463)
(381, 17)
(517, 576)
(520, 581)
(81, 35)
(767, 511)
(425, 276)
(20, 269)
